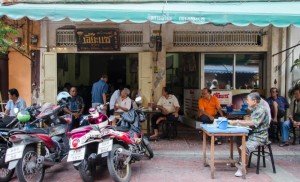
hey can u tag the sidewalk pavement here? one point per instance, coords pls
(181, 160)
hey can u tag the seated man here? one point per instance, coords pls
(14, 102)
(123, 104)
(278, 105)
(169, 106)
(259, 121)
(294, 118)
(209, 106)
(75, 107)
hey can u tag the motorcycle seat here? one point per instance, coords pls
(81, 129)
(5, 129)
(37, 131)
(31, 131)
(122, 129)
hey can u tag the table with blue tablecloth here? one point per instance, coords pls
(211, 130)
(239, 114)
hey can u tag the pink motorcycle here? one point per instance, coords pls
(87, 148)
(120, 146)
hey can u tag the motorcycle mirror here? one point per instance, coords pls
(138, 100)
(16, 110)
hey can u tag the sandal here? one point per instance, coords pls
(218, 142)
(153, 138)
(284, 144)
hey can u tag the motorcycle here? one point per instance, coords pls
(129, 145)
(7, 124)
(90, 145)
(87, 148)
(35, 147)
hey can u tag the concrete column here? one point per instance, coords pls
(160, 64)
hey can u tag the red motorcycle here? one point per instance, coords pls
(129, 145)
(34, 147)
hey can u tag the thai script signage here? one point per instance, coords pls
(106, 39)
(225, 97)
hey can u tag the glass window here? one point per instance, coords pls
(218, 71)
(248, 71)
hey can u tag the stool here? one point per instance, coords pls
(264, 154)
(170, 129)
(275, 129)
(295, 136)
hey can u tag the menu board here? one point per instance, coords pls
(191, 97)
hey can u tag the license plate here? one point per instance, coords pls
(14, 153)
(76, 155)
(105, 146)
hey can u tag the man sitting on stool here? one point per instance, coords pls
(169, 106)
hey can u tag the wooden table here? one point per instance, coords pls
(149, 114)
(236, 115)
(212, 132)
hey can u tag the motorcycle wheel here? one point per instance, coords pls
(5, 173)
(149, 151)
(27, 167)
(118, 171)
(86, 171)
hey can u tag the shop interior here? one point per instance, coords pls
(82, 70)
(222, 71)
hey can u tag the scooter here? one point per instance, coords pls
(36, 148)
(87, 148)
(129, 145)
(7, 124)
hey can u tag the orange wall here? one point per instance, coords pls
(19, 66)
(20, 75)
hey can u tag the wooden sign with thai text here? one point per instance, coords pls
(106, 39)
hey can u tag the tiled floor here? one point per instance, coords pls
(181, 160)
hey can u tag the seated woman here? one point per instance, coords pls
(169, 106)
(123, 104)
(259, 121)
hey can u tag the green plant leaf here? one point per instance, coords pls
(296, 63)
(6, 33)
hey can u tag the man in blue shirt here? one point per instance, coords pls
(99, 91)
(75, 107)
(278, 105)
(14, 102)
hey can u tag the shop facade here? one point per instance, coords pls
(181, 50)
(191, 57)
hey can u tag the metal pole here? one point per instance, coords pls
(285, 50)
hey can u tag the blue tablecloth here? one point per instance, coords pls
(210, 128)
(237, 113)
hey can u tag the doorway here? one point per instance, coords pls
(82, 70)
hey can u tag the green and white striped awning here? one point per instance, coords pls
(279, 14)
